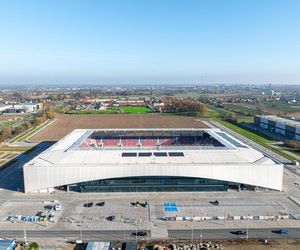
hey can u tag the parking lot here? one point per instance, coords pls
(76, 216)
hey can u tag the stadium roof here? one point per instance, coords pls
(66, 151)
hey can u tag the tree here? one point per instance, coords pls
(50, 114)
(230, 117)
(39, 120)
(203, 109)
(7, 133)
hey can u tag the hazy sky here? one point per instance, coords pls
(149, 42)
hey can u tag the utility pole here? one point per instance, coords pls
(192, 238)
(25, 234)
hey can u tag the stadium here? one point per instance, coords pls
(150, 160)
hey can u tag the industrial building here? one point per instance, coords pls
(150, 160)
(288, 128)
(21, 108)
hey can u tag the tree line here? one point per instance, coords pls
(188, 105)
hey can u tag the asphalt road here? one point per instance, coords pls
(218, 234)
(120, 235)
(117, 235)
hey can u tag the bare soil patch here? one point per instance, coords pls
(295, 115)
(67, 123)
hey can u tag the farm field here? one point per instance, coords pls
(270, 108)
(240, 108)
(67, 123)
(114, 110)
(216, 111)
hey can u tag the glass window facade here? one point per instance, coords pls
(151, 184)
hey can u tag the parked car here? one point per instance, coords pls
(88, 204)
(281, 231)
(111, 218)
(240, 232)
(100, 204)
(139, 233)
(215, 203)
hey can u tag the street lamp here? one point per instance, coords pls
(25, 234)
(192, 238)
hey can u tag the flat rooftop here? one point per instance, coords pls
(281, 120)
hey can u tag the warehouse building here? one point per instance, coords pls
(150, 160)
(290, 129)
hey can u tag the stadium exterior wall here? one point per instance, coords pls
(39, 178)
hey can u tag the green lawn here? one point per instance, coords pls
(114, 110)
(134, 110)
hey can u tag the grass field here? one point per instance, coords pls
(217, 112)
(240, 109)
(269, 107)
(113, 110)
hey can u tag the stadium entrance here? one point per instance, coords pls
(151, 184)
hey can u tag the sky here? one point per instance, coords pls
(149, 41)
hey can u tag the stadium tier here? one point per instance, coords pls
(98, 141)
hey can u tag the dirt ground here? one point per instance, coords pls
(67, 123)
(295, 115)
(258, 245)
(237, 245)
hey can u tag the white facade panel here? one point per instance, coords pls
(267, 175)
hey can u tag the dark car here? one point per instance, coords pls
(111, 218)
(100, 204)
(88, 204)
(240, 232)
(281, 231)
(139, 233)
(215, 203)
